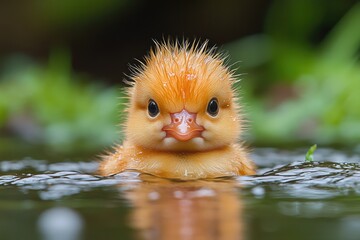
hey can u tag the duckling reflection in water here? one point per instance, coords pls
(183, 117)
(164, 209)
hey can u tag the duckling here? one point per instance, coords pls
(183, 117)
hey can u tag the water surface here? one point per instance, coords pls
(287, 199)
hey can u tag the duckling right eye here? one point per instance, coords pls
(153, 109)
(213, 107)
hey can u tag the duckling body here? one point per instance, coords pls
(227, 161)
(183, 118)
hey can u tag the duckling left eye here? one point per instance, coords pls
(153, 108)
(213, 107)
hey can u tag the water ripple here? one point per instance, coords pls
(281, 174)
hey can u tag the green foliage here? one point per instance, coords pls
(320, 82)
(309, 157)
(52, 106)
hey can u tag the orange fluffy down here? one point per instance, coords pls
(181, 76)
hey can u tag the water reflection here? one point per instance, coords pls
(164, 209)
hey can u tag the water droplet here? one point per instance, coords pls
(191, 76)
(60, 223)
(178, 194)
(154, 196)
(258, 191)
(207, 60)
(202, 192)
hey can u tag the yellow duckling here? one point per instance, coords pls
(183, 118)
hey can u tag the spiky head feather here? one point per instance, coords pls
(183, 75)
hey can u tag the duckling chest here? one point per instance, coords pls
(185, 165)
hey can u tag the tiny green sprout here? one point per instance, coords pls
(309, 157)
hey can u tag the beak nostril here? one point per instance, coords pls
(183, 117)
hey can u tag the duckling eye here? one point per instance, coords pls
(153, 108)
(213, 107)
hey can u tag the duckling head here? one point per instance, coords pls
(182, 99)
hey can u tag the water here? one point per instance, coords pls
(288, 199)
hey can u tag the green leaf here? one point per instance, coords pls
(309, 157)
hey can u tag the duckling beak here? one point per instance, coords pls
(183, 126)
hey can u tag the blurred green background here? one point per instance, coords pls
(62, 64)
